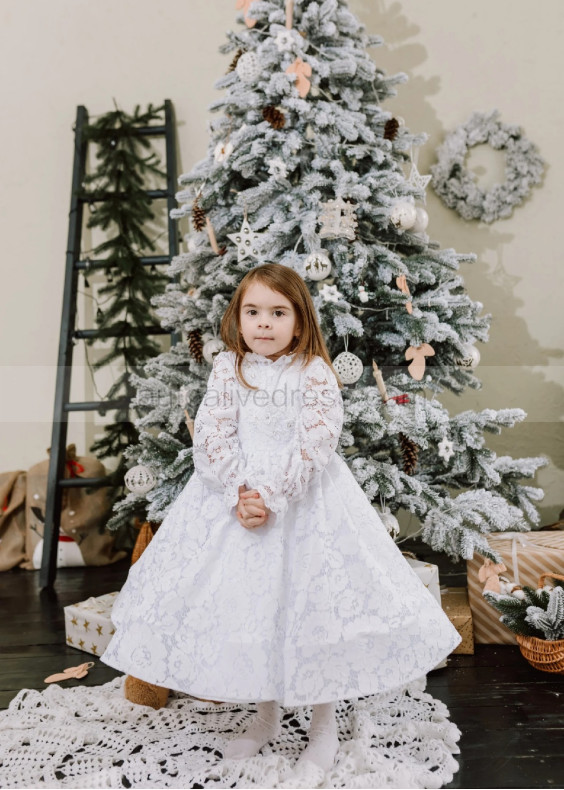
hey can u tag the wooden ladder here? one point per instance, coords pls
(68, 335)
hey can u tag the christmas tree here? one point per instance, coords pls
(308, 167)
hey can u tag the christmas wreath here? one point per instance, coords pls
(457, 187)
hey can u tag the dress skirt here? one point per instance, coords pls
(316, 605)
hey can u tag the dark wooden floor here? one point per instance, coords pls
(511, 716)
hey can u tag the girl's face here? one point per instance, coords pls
(268, 321)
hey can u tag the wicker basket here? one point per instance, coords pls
(543, 654)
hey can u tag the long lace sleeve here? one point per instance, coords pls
(215, 442)
(317, 433)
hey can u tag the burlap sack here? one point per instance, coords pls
(83, 516)
(12, 519)
(526, 556)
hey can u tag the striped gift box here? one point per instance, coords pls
(526, 555)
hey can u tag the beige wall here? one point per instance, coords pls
(460, 57)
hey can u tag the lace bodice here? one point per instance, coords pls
(275, 439)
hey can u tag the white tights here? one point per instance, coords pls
(265, 727)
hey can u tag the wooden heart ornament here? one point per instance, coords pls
(418, 354)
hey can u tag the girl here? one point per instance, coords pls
(272, 579)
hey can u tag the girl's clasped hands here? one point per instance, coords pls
(251, 510)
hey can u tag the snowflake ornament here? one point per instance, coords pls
(248, 242)
(446, 449)
(330, 293)
(338, 219)
(284, 40)
(277, 167)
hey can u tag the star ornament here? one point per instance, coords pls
(330, 293)
(249, 244)
(417, 181)
(446, 449)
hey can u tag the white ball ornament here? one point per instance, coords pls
(140, 479)
(249, 67)
(421, 220)
(211, 348)
(470, 357)
(390, 522)
(317, 266)
(348, 366)
(403, 215)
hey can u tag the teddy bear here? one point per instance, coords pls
(142, 693)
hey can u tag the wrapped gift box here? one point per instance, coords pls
(456, 607)
(88, 624)
(526, 556)
(429, 575)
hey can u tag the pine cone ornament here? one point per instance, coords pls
(391, 129)
(409, 452)
(195, 344)
(233, 64)
(274, 117)
(198, 216)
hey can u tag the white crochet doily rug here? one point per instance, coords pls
(91, 737)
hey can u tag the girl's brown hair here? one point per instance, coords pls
(287, 282)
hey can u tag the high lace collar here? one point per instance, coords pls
(252, 356)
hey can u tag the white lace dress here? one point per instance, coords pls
(316, 605)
